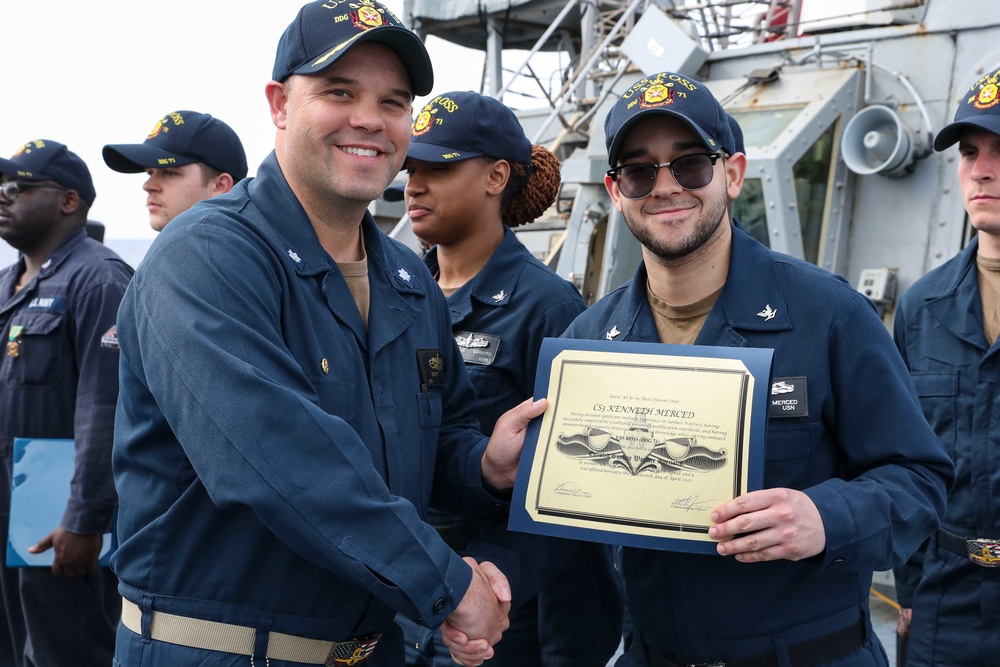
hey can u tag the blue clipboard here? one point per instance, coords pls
(551, 504)
(42, 472)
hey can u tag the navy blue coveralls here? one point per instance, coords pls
(274, 458)
(863, 454)
(499, 319)
(63, 383)
(939, 332)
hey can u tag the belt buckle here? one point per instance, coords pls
(352, 651)
(983, 552)
(705, 664)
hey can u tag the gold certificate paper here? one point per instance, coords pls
(641, 441)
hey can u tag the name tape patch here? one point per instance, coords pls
(789, 398)
(477, 348)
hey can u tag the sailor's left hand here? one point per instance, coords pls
(75, 554)
(770, 524)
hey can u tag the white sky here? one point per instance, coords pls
(93, 73)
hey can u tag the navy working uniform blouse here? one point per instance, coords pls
(274, 458)
(863, 454)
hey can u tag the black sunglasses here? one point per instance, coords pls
(11, 190)
(691, 172)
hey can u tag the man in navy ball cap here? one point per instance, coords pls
(188, 156)
(59, 372)
(39, 161)
(848, 491)
(323, 32)
(946, 328)
(293, 399)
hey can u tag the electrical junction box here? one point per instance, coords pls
(879, 285)
(658, 44)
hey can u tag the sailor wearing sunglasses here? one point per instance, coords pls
(854, 479)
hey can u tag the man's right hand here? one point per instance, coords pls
(480, 618)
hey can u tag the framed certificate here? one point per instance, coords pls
(641, 441)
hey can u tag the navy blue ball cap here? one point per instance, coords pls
(325, 30)
(734, 127)
(180, 138)
(675, 95)
(979, 109)
(461, 125)
(45, 160)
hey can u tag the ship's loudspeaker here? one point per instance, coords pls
(876, 142)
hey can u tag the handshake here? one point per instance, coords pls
(480, 618)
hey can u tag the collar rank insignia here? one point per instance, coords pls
(47, 264)
(400, 272)
(614, 333)
(500, 296)
(110, 338)
(293, 255)
(768, 313)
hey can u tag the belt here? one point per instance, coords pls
(806, 654)
(983, 552)
(239, 639)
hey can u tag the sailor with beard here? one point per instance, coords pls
(854, 479)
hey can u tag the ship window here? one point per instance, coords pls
(762, 126)
(812, 180)
(748, 208)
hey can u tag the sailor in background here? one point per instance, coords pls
(472, 175)
(188, 157)
(946, 328)
(59, 374)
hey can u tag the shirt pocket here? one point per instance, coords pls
(40, 352)
(938, 394)
(429, 414)
(787, 446)
(429, 411)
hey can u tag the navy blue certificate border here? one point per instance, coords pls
(758, 364)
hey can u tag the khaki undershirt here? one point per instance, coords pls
(680, 325)
(448, 291)
(356, 275)
(989, 289)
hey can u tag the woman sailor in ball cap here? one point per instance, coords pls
(473, 175)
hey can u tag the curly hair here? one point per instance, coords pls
(531, 188)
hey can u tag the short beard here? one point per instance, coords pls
(712, 216)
